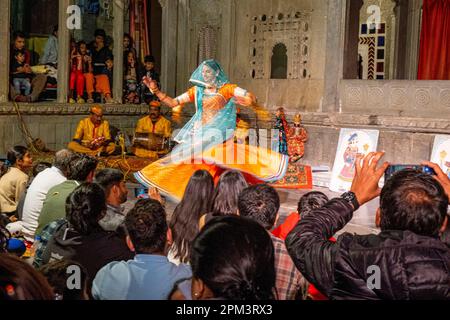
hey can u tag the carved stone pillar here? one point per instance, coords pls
(400, 37)
(5, 15)
(169, 46)
(183, 45)
(118, 13)
(63, 52)
(413, 40)
(353, 9)
(334, 53)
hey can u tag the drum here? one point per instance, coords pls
(150, 141)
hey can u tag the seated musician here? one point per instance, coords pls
(150, 133)
(93, 136)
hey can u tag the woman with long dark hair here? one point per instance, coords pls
(14, 178)
(19, 281)
(232, 258)
(184, 223)
(226, 194)
(128, 44)
(131, 77)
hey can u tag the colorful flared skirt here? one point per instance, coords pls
(257, 164)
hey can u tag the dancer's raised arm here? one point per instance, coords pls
(249, 100)
(163, 97)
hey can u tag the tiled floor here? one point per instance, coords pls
(363, 221)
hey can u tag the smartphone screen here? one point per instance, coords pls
(139, 192)
(399, 167)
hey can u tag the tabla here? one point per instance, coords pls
(150, 141)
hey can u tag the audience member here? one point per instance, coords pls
(81, 238)
(19, 281)
(225, 199)
(109, 69)
(261, 203)
(38, 80)
(81, 73)
(405, 261)
(150, 72)
(113, 182)
(99, 55)
(20, 74)
(37, 191)
(196, 201)
(61, 273)
(14, 178)
(233, 259)
(150, 275)
(50, 55)
(37, 168)
(131, 77)
(128, 45)
(82, 169)
(307, 203)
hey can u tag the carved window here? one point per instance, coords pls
(279, 45)
(279, 62)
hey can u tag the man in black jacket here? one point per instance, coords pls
(405, 261)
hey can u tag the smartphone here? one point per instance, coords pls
(399, 167)
(140, 192)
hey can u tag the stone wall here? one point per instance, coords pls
(407, 113)
(405, 140)
(55, 123)
(424, 99)
(301, 26)
(244, 34)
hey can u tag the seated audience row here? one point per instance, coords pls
(91, 70)
(219, 245)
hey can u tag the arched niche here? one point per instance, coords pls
(279, 62)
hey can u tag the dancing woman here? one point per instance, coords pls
(206, 141)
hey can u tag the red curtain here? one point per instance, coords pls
(139, 26)
(434, 61)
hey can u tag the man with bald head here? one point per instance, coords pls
(92, 136)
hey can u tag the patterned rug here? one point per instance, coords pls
(297, 177)
(127, 164)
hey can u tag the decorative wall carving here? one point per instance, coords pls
(70, 109)
(445, 98)
(292, 30)
(398, 96)
(375, 96)
(421, 99)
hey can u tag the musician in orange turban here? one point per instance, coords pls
(157, 127)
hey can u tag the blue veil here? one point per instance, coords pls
(221, 128)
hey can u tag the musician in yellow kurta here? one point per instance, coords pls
(156, 124)
(92, 136)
